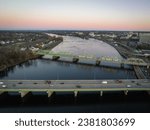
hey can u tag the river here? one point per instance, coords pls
(43, 69)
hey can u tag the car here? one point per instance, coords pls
(4, 86)
(118, 81)
(138, 84)
(128, 85)
(78, 86)
(48, 82)
(51, 85)
(104, 82)
(1, 83)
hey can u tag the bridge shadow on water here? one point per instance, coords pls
(84, 102)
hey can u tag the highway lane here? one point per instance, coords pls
(75, 84)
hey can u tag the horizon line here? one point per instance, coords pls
(73, 30)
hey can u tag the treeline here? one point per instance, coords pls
(84, 35)
(10, 56)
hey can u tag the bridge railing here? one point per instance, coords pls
(130, 61)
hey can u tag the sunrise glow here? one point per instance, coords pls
(75, 14)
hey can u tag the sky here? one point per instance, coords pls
(132, 15)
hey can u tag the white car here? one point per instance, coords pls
(104, 82)
(128, 85)
(1, 83)
(4, 86)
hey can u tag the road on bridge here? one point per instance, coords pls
(72, 85)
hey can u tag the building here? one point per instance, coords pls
(133, 40)
(144, 38)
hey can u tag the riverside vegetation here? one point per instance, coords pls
(16, 47)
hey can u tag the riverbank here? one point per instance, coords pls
(4, 67)
(21, 51)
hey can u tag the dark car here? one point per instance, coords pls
(48, 82)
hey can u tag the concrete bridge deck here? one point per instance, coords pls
(50, 86)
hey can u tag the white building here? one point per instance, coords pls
(34, 49)
(23, 49)
(2, 42)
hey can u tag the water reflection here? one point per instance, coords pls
(41, 69)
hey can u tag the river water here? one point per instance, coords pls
(42, 69)
(90, 47)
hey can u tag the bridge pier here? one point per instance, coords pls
(122, 65)
(75, 59)
(75, 94)
(126, 92)
(98, 62)
(101, 93)
(55, 57)
(23, 94)
(49, 93)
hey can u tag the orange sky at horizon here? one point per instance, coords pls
(86, 16)
(33, 23)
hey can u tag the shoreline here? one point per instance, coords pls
(4, 67)
(107, 42)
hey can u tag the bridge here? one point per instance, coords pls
(98, 60)
(49, 86)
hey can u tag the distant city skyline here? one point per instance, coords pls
(117, 15)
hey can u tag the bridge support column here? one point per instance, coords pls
(122, 65)
(98, 62)
(75, 94)
(101, 93)
(126, 92)
(75, 60)
(23, 94)
(148, 67)
(49, 93)
(55, 57)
